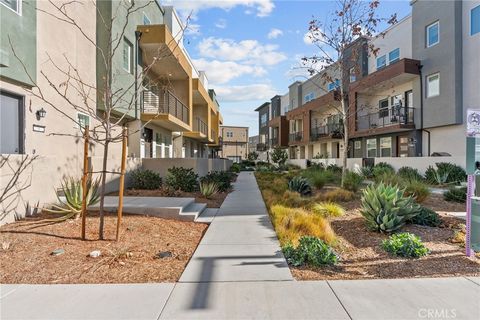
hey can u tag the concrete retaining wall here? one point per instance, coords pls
(199, 165)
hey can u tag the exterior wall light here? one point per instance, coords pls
(41, 113)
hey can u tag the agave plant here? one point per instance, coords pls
(70, 205)
(208, 188)
(300, 185)
(386, 209)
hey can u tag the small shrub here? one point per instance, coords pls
(382, 171)
(352, 181)
(208, 189)
(417, 189)
(279, 156)
(334, 168)
(338, 195)
(222, 179)
(317, 178)
(182, 179)
(252, 156)
(300, 185)
(426, 217)
(386, 209)
(294, 199)
(445, 172)
(385, 165)
(389, 178)
(405, 245)
(410, 174)
(293, 223)
(367, 172)
(310, 251)
(328, 209)
(235, 168)
(456, 194)
(145, 179)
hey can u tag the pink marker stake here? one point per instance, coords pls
(468, 249)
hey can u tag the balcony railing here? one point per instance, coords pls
(274, 141)
(261, 147)
(213, 134)
(334, 130)
(200, 126)
(164, 102)
(385, 117)
(295, 137)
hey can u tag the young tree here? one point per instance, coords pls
(103, 101)
(279, 156)
(352, 20)
(252, 156)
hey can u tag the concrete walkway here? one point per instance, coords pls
(239, 272)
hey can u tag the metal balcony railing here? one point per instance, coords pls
(274, 141)
(295, 137)
(261, 147)
(213, 134)
(331, 129)
(200, 126)
(395, 115)
(164, 102)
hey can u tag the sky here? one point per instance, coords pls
(251, 49)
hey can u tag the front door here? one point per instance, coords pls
(148, 137)
(403, 142)
(11, 124)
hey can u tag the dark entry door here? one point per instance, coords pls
(148, 137)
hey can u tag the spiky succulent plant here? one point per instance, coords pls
(300, 185)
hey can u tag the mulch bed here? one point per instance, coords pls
(214, 202)
(25, 255)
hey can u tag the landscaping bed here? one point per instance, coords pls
(215, 201)
(25, 256)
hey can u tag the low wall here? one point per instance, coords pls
(420, 163)
(201, 166)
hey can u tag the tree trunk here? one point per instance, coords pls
(102, 189)
(345, 138)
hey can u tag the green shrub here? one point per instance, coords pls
(310, 251)
(337, 195)
(410, 174)
(352, 181)
(386, 209)
(145, 179)
(300, 185)
(367, 172)
(445, 172)
(456, 194)
(384, 165)
(182, 179)
(222, 179)
(252, 156)
(389, 178)
(279, 156)
(317, 178)
(328, 209)
(235, 168)
(208, 188)
(416, 188)
(294, 200)
(381, 171)
(426, 217)
(405, 245)
(334, 168)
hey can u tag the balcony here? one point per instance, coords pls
(262, 147)
(387, 119)
(163, 108)
(333, 130)
(199, 132)
(274, 142)
(295, 137)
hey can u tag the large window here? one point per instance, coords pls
(353, 76)
(433, 85)
(381, 62)
(146, 20)
(263, 120)
(475, 20)
(309, 97)
(11, 124)
(386, 147)
(334, 85)
(433, 34)
(371, 148)
(127, 55)
(394, 56)
(15, 5)
(83, 120)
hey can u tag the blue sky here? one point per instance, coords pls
(251, 49)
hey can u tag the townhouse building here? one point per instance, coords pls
(263, 130)
(163, 100)
(234, 143)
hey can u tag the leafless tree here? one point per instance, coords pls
(114, 104)
(337, 55)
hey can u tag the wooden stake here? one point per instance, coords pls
(84, 180)
(122, 181)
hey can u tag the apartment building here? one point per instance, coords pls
(263, 130)
(278, 123)
(252, 143)
(161, 103)
(234, 145)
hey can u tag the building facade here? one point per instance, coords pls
(234, 144)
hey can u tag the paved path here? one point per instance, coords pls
(238, 272)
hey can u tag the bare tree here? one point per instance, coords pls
(353, 20)
(106, 104)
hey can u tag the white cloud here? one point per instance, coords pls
(274, 33)
(244, 93)
(219, 72)
(262, 8)
(248, 51)
(221, 24)
(310, 36)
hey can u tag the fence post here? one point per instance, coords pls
(84, 180)
(122, 181)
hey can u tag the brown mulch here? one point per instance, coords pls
(363, 258)
(214, 202)
(25, 254)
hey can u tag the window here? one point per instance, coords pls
(229, 134)
(383, 108)
(433, 34)
(358, 144)
(393, 56)
(433, 85)
(475, 20)
(11, 124)
(386, 147)
(146, 20)
(381, 62)
(334, 85)
(353, 76)
(263, 120)
(371, 148)
(83, 120)
(309, 97)
(15, 5)
(127, 55)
